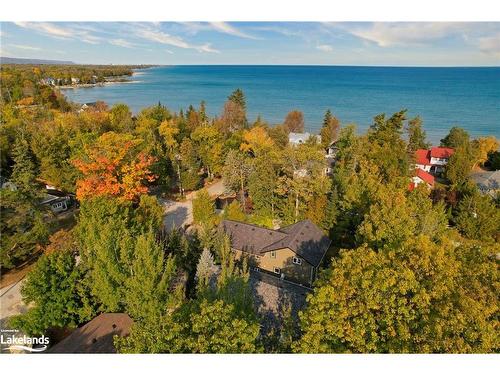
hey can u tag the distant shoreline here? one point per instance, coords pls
(113, 80)
(90, 85)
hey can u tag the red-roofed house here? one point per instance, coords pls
(422, 176)
(433, 160)
(423, 160)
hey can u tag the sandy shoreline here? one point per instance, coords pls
(116, 80)
(89, 85)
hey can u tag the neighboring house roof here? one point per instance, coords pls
(96, 336)
(298, 138)
(303, 238)
(441, 152)
(422, 157)
(487, 180)
(425, 176)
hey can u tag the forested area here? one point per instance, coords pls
(28, 84)
(409, 271)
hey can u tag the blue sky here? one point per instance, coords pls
(348, 43)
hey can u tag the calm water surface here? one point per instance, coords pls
(443, 97)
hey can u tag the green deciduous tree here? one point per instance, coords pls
(203, 209)
(151, 275)
(477, 217)
(386, 148)
(59, 296)
(460, 165)
(121, 118)
(233, 211)
(395, 217)
(235, 172)
(22, 228)
(106, 233)
(410, 299)
(457, 137)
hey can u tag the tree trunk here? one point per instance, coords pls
(180, 183)
(242, 192)
(296, 206)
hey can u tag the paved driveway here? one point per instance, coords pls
(11, 301)
(177, 214)
(180, 214)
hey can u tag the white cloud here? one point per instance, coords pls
(226, 28)
(121, 43)
(279, 30)
(386, 34)
(207, 47)
(46, 28)
(164, 38)
(490, 45)
(25, 47)
(61, 32)
(325, 47)
(194, 28)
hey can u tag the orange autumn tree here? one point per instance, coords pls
(114, 166)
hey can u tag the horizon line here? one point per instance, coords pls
(229, 64)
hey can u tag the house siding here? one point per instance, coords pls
(284, 261)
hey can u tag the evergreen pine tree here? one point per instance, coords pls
(416, 135)
(151, 275)
(238, 97)
(205, 268)
(24, 170)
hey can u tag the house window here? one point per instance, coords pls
(277, 270)
(273, 254)
(297, 261)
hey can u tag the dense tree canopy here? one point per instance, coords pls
(409, 270)
(413, 298)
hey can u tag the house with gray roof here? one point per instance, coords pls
(488, 182)
(293, 252)
(296, 139)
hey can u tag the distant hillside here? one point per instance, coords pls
(15, 60)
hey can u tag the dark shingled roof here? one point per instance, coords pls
(96, 336)
(303, 238)
(250, 238)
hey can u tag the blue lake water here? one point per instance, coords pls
(443, 97)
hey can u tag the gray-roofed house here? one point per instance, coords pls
(296, 139)
(293, 252)
(488, 182)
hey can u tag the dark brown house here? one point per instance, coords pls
(293, 252)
